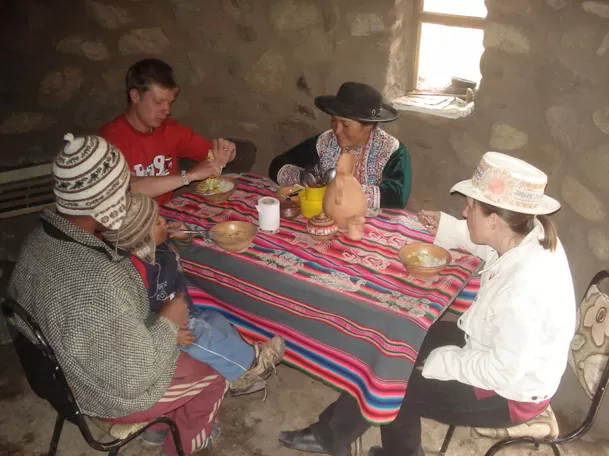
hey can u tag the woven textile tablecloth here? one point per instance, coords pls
(350, 314)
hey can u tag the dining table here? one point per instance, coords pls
(351, 315)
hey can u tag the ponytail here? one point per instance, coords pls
(550, 238)
(523, 224)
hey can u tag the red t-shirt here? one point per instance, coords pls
(156, 153)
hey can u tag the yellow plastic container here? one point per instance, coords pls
(309, 208)
(315, 193)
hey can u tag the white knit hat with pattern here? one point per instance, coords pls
(135, 235)
(91, 178)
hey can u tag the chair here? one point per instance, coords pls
(589, 359)
(47, 380)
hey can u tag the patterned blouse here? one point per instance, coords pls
(383, 167)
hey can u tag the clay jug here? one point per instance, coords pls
(345, 197)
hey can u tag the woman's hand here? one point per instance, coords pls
(179, 235)
(430, 219)
(185, 336)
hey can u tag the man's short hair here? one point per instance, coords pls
(146, 72)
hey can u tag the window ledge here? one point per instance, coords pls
(450, 107)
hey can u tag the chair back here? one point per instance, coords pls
(43, 372)
(47, 380)
(589, 354)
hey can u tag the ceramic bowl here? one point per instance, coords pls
(322, 227)
(234, 236)
(289, 209)
(410, 257)
(217, 197)
(281, 192)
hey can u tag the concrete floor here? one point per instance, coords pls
(250, 426)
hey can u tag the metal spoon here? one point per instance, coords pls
(309, 180)
(203, 233)
(301, 178)
(428, 223)
(329, 176)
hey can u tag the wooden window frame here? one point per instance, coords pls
(422, 17)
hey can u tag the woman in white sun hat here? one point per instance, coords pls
(502, 362)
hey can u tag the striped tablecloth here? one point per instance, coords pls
(350, 314)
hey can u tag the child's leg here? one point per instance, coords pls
(218, 344)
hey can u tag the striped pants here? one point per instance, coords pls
(192, 401)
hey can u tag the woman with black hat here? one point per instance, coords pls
(383, 166)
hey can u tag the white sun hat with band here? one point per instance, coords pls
(509, 183)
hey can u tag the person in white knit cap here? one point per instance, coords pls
(91, 179)
(92, 305)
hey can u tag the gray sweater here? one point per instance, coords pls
(91, 305)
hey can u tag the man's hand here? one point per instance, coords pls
(185, 336)
(224, 151)
(204, 170)
(176, 310)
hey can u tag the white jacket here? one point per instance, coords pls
(519, 328)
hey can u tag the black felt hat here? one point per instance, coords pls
(357, 101)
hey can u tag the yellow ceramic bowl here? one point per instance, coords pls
(409, 256)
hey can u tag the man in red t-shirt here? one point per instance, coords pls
(152, 143)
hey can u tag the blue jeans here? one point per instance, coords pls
(218, 344)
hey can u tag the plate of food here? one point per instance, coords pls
(216, 189)
(424, 260)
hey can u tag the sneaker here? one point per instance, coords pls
(154, 438)
(268, 355)
(247, 384)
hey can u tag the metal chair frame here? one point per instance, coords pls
(10, 310)
(553, 443)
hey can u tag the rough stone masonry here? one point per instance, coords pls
(252, 72)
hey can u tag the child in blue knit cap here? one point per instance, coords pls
(209, 337)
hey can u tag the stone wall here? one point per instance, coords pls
(246, 71)
(252, 71)
(544, 97)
